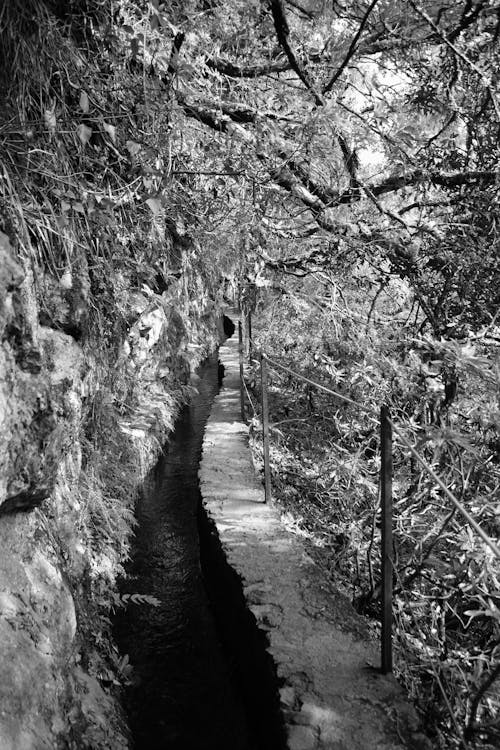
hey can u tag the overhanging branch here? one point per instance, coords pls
(283, 33)
(228, 68)
(351, 50)
(294, 179)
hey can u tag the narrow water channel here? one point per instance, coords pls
(183, 695)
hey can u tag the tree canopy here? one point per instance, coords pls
(366, 128)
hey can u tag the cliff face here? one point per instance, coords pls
(76, 440)
(107, 304)
(39, 375)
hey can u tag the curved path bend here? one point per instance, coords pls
(331, 697)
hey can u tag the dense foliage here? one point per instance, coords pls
(340, 162)
(325, 465)
(114, 304)
(368, 133)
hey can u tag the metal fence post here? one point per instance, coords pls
(386, 551)
(265, 428)
(242, 384)
(249, 335)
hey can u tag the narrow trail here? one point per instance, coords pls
(331, 695)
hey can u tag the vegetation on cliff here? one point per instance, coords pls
(108, 303)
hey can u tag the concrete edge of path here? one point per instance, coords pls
(331, 697)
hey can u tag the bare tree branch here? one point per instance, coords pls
(469, 15)
(174, 58)
(483, 77)
(351, 50)
(247, 71)
(372, 44)
(301, 9)
(443, 179)
(486, 684)
(283, 32)
(299, 265)
(446, 202)
(295, 180)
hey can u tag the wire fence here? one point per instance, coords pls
(391, 578)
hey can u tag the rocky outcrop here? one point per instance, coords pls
(79, 428)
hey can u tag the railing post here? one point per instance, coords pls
(265, 428)
(386, 551)
(249, 335)
(242, 375)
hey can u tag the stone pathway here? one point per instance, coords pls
(332, 697)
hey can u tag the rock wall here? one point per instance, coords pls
(78, 431)
(107, 303)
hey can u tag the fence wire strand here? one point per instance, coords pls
(458, 505)
(372, 412)
(365, 409)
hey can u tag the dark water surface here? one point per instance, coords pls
(183, 696)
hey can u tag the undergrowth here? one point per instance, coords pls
(325, 465)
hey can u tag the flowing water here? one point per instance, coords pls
(184, 695)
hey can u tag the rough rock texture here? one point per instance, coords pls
(47, 699)
(331, 696)
(78, 431)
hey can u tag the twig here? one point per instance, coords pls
(482, 75)
(174, 59)
(418, 568)
(374, 302)
(283, 32)
(432, 667)
(351, 50)
(488, 682)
